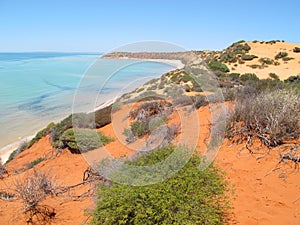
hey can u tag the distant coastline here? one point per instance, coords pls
(8, 149)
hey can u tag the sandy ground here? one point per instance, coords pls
(259, 198)
(284, 70)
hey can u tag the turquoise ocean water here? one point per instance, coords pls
(38, 88)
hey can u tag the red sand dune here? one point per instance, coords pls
(258, 199)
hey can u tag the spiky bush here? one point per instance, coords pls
(33, 189)
(271, 116)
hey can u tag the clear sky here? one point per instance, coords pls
(99, 26)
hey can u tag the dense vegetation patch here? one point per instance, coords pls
(190, 196)
(268, 113)
(83, 140)
(218, 66)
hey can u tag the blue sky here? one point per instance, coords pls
(99, 26)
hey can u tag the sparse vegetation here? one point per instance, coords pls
(148, 116)
(16, 152)
(32, 190)
(35, 162)
(41, 134)
(190, 196)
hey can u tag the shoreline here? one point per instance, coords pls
(172, 62)
(8, 149)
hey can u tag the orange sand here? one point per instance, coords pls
(259, 199)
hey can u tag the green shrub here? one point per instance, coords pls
(2, 171)
(218, 66)
(287, 58)
(281, 55)
(140, 90)
(190, 196)
(35, 162)
(16, 152)
(266, 60)
(83, 140)
(293, 79)
(248, 76)
(234, 75)
(41, 134)
(296, 50)
(249, 57)
(274, 76)
(59, 129)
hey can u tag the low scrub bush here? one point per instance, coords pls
(96, 119)
(274, 76)
(296, 50)
(248, 76)
(249, 57)
(35, 162)
(2, 170)
(266, 61)
(281, 55)
(287, 58)
(293, 79)
(83, 140)
(218, 66)
(190, 196)
(16, 152)
(148, 116)
(41, 134)
(271, 116)
(234, 76)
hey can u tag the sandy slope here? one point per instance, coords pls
(259, 199)
(284, 70)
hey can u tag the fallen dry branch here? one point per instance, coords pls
(291, 156)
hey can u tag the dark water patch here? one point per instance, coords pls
(61, 87)
(35, 104)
